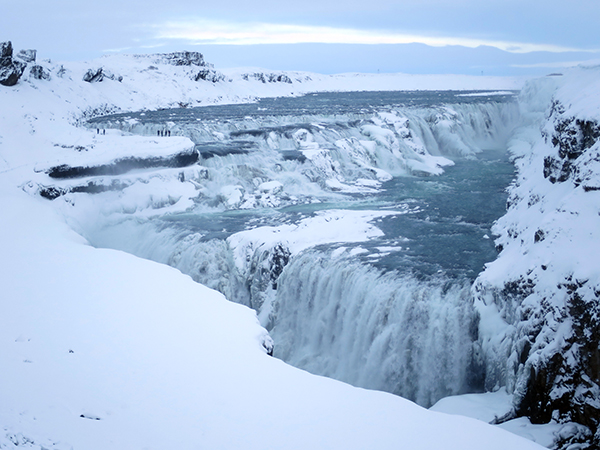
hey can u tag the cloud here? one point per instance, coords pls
(222, 32)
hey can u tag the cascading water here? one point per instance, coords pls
(324, 217)
(386, 331)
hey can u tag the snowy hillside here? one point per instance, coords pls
(100, 349)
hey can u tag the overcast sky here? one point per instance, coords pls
(494, 37)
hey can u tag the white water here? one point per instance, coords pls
(383, 331)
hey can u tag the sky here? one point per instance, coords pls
(478, 37)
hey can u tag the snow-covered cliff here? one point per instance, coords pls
(539, 301)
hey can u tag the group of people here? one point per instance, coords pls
(158, 133)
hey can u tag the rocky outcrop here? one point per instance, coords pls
(208, 75)
(575, 158)
(27, 56)
(11, 69)
(100, 74)
(39, 73)
(266, 266)
(91, 187)
(192, 60)
(124, 165)
(182, 59)
(267, 77)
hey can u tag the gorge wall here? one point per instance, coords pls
(545, 284)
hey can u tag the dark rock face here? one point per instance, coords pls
(208, 75)
(279, 259)
(264, 271)
(39, 73)
(572, 137)
(6, 49)
(184, 59)
(268, 77)
(92, 187)
(124, 165)
(98, 75)
(93, 76)
(566, 386)
(11, 70)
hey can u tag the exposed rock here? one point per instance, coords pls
(208, 75)
(92, 187)
(187, 59)
(93, 76)
(124, 165)
(184, 59)
(571, 137)
(539, 236)
(6, 49)
(28, 56)
(279, 259)
(11, 70)
(98, 75)
(39, 73)
(267, 77)
(61, 71)
(566, 386)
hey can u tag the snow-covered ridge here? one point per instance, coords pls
(540, 299)
(100, 349)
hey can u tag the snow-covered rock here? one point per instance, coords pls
(545, 285)
(10, 69)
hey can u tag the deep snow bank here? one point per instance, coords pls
(100, 349)
(539, 299)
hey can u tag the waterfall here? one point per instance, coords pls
(391, 331)
(333, 314)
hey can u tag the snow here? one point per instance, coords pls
(333, 226)
(100, 349)
(486, 407)
(96, 149)
(492, 406)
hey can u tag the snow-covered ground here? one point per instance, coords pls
(100, 349)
